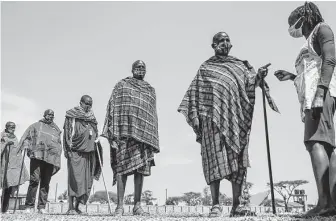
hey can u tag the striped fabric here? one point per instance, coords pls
(131, 113)
(79, 113)
(218, 159)
(131, 156)
(223, 91)
(131, 125)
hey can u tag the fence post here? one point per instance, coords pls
(62, 208)
(86, 208)
(165, 209)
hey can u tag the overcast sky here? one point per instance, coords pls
(55, 52)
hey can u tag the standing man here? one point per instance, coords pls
(80, 133)
(13, 159)
(43, 140)
(131, 127)
(219, 107)
(315, 82)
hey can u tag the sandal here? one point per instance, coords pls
(119, 211)
(138, 211)
(70, 212)
(215, 211)
(240, 211)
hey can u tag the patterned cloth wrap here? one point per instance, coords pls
(14, 162)
(132, 118)
(44, 143)
(224, 92)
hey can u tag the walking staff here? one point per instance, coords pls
(98, 145)
(17, 193)
(4, 180)
(267, 140)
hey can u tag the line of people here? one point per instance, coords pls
(218, 105)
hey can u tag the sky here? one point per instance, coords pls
(52, 53)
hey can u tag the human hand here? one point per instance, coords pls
(10, 143)
(317, 105)
(262, 71)
(196, 123)
(284, 75)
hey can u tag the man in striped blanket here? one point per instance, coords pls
(131, 127)
(219, 107)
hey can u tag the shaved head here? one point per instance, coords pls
(86, 103)
(139, 69)
(10, 127)
(48, 111)
(10, 124)
(85, 98)
(49, 116)
(138, 63)
(221, 44)
(218, 36)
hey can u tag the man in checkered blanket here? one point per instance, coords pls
(219, 107)
(131, 127)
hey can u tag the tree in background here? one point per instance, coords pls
(147, 197)
(286, 188)
(101, 197)
(129, 199)
(207, 200)
(192, 198)
(174, 200)
(245, 197)
(63, 196)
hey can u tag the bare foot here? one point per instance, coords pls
(71, 212)
(327, 212)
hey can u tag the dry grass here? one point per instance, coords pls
(19, 216)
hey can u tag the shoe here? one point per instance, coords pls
(78, 211)
(215, 211)
(42, 211)
(119, 211)
(138, 211)
(29, 210)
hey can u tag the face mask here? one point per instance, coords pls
(296, 33)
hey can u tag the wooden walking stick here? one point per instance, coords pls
(4, 180)
(17, 193)
(267, 141)
(108, 197)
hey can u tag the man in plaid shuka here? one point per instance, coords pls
(131, 127)
(219, 107)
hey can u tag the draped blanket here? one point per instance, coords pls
(44, 143)
(224, 91)
(80, 138)
(14, 162)
(131, 113)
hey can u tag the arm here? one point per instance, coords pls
(27, 138)
(325, 40)
(108, 118)
(67, 135)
